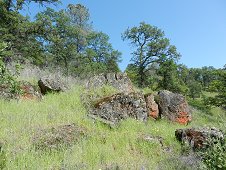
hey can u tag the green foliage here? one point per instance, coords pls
(73, 44)
(151, 47)
(215, 155)
(6, 77)
(62, 38)
(170, 80)
(24, 118)
(18, 4)
(195, 89)
(200, 104)
(218, 86)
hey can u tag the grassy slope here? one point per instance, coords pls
(104, 147)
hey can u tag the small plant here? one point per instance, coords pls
(215, 155)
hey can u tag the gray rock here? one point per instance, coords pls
(121, 106)
(174, 107)
(49, 85)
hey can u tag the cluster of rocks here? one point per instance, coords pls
(164, 104)
(26, 90)
(129, 103)
(112, 109)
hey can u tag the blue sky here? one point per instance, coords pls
(196, 27)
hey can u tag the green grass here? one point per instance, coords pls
(102, 148)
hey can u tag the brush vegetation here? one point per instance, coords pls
(102, 148)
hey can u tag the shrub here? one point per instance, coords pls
(7, 79)
(215, 155)
(200, 105)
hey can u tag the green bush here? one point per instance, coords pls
(200, 105)
(8, 79)
(215, 155)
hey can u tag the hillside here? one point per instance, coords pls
(76, 97)
(100, 147)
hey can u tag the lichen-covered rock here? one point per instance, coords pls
(198, 138)
(121, 106)
(120, 81)
(49, 85)
(152, 106)
(174, 107)
(57, 137)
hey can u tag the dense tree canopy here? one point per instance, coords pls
(62, 38)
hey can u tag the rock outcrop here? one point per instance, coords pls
(120, 81)
(152, 106)
(50, 85)
(121, 106)
(198, 138)
(174, 107)
(114, 108)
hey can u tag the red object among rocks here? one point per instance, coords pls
(152, 106)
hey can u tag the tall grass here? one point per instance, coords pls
(103, 148)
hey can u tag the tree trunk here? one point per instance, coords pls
(142, 77)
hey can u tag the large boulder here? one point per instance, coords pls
(120, 81)
(174, 107)
(121, 106)
(152, 106)
(198, 138)
(50, 85)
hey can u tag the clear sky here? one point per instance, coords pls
(196, 27)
